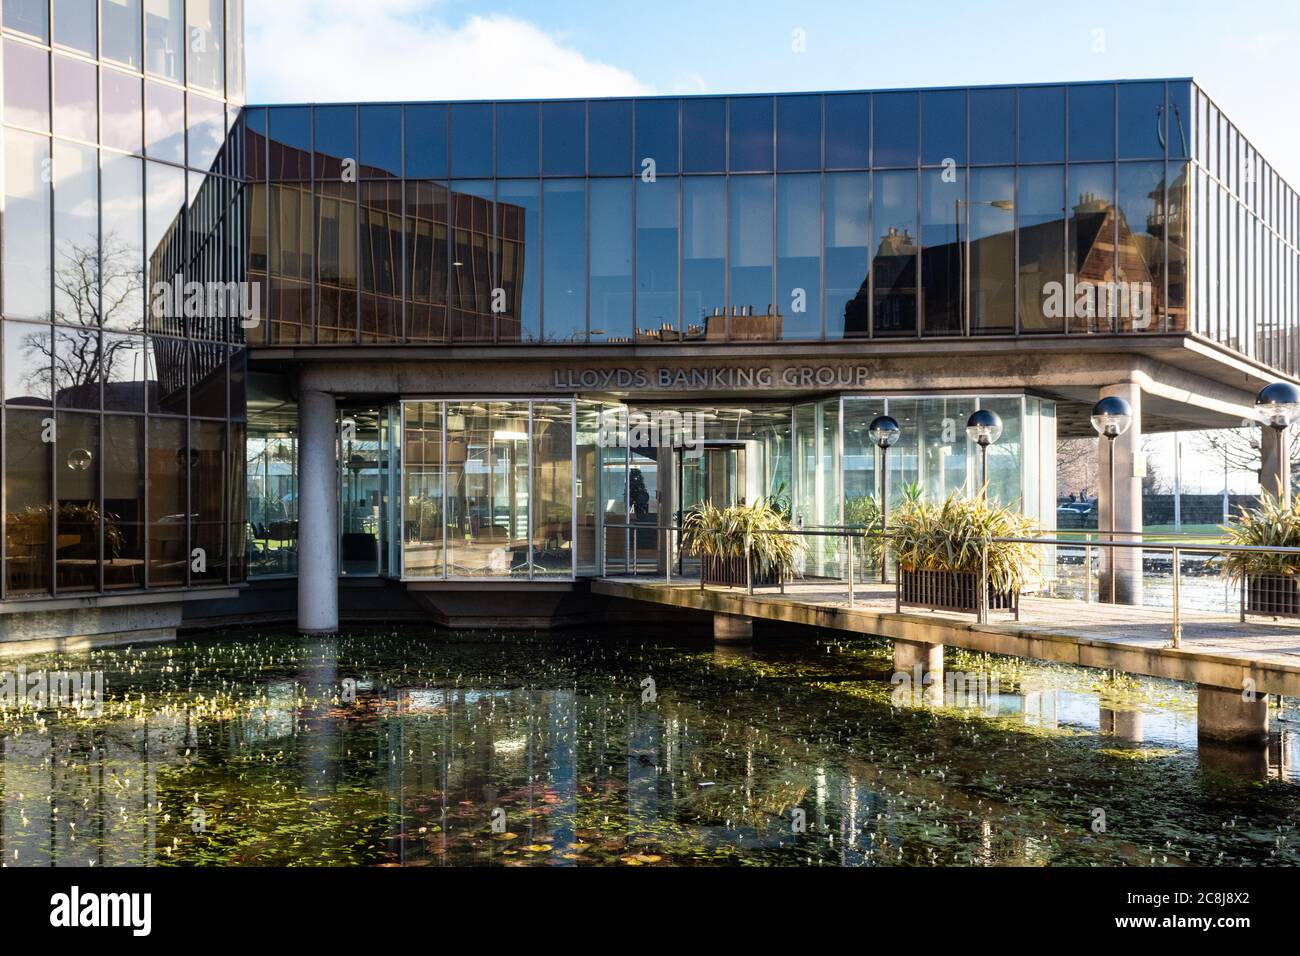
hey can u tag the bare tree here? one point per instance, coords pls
(1239, 448)
(1076, 466)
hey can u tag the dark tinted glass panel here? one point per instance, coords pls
(168, 388)
(750, 261)
(471, 139)
(126, 369)
(208, 502)
(336, 141)
(472, 275)
(894, 130)
(76, 368)
(380, 216)
(426, 257)
(943, 127)
(609, 137)
(1042, 124)
(28, 479)
(26, 234)
(1179, 226)
(519, 210)
(75, 25)
(564, 304)
(123, 243)
(846, 255)
(1040, 211)
(798, 132)
(28, 363)
(1089, 241)
(76, 234)
(564, 143)
(28, 16)
(426, 142)
(336, 262)
(610, 215)
(123, 111)
(208, 379)
(165, 205)
(27, 86)
(206, 42)
(381, 141)
(290, 142)
(123, 502)
(1092, 122)
(120, 30)
(168, 473)
(1141, 120)
(656, 259)
(894, 255)
(751, 133)
(164, 122)
(164, 38)
(991, 234)
(207, 130)
(76, 451)
(992, 126)
(704, 135)
(656, 136)
(518, 139)
(1181, 121)
(848, 130)
(943, 211)
(797, 314)
(704, 257)
(1141, 247)
(76, 98)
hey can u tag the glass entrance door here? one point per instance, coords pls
(714, 473)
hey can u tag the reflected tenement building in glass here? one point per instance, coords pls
(455, 304)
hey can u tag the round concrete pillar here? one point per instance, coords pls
(318, 575)
(732, 629)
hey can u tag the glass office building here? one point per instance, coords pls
(547, 328)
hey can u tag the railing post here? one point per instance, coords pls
(849, 539)
(668, 555)
(982, 602)
(1243, 599)
(1178, 621)
(749, 567)
(1087, 561)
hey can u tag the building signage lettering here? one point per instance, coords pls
(713, 378)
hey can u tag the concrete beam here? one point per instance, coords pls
(318, 576)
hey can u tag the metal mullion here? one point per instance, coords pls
(442, 428)
(531, 487)
(573, 488)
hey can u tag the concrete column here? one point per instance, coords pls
(318, 573)
(1130, 469)
(732, 629)
(1224, 715)
(1275, 464)
(918, 670)
(1125, 724)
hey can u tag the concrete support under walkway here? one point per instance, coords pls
(918, 670)
(318, 584)
(1124, 563)
(1227, 716)
(732, 629)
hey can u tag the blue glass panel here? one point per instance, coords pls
(471, 139)
(848, 130)
(426, 142)
(798, 132)
(1042, 124)
(704, 135)
(992, 126)
(846, 255)
(336, 139)
(943, 214)
(564, 261)
(656, 135)
(704, 256)
(609, 137)
(290, 142)
(1180, 123)
(751, 134)
(564, 142)
(519, 207)
(610, 215)
(1141, 120)
(381, 141)
(750, 248)
(798, 256)
(894, 130)
(894, 253)
(943, 127)
(656, 258)
(1092, 122)
(518, 139)
(1040, 212)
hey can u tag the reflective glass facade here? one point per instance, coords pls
(812, 217)
(123, 411)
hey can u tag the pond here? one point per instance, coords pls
(427, 748)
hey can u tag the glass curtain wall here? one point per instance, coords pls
(488, 489)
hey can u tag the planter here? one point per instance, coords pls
(1273, 595)
(951, 591)
(729, 571)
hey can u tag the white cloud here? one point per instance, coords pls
(335, 50)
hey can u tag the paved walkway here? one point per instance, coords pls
(1216, 649)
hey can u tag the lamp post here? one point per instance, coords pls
(1278, 405)
(884, 432)
(1111, 417)
(984, 427)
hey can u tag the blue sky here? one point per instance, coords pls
(302, 50)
